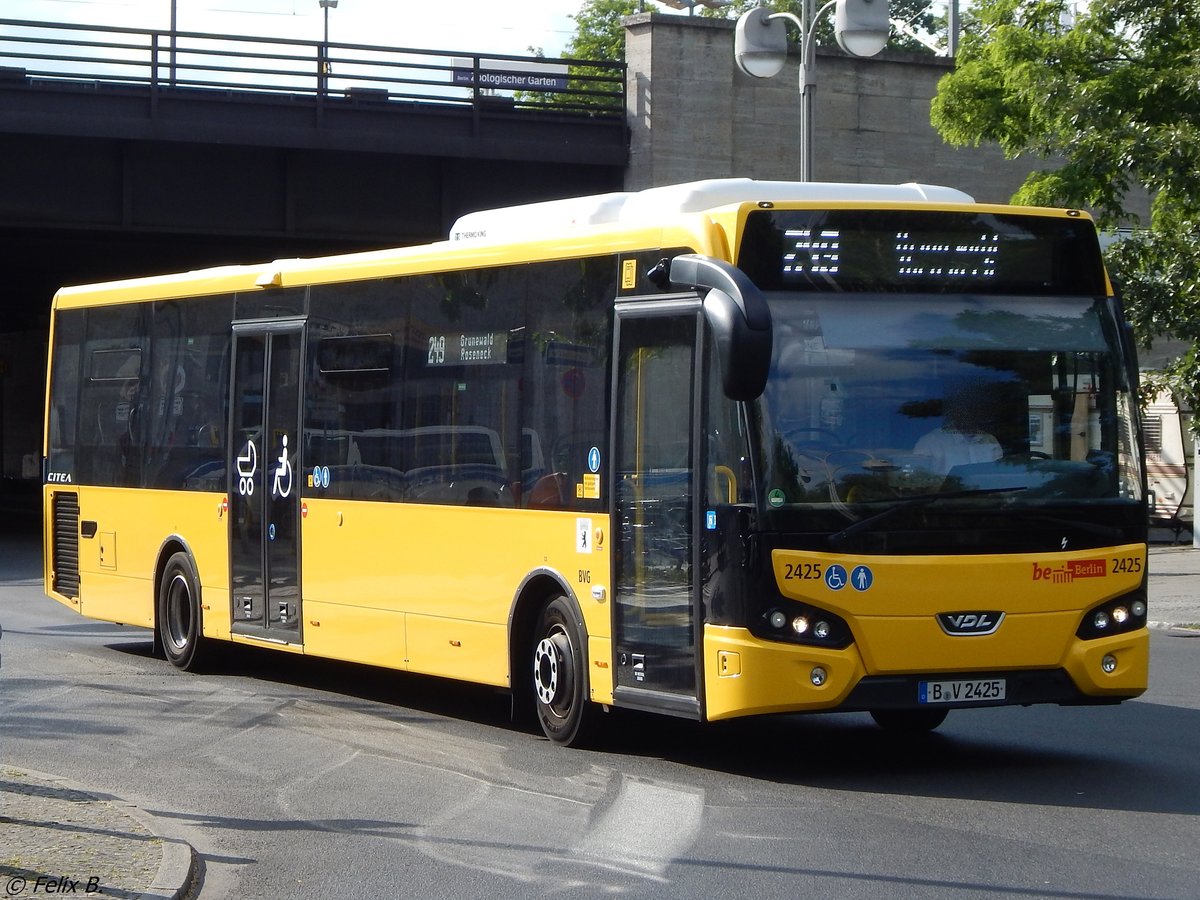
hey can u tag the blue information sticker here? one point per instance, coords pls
(835, 577)
(862, 578)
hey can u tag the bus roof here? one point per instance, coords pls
(638, 218)
(691, 197)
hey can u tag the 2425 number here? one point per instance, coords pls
(1129, 564)
(802, 571)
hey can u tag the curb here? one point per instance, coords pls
(1183, 629)
(178, 871)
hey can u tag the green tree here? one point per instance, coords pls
(599, 37)
(1107, 99)
(598, 31)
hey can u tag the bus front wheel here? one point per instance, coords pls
(560, 674)
(178, 613)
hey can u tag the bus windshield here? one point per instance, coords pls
(972, 400)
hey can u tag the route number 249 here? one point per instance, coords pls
(437, 350)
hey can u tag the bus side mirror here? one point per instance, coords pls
(738, 317)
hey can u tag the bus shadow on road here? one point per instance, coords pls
(1131, 757)
(363, 688)
(1128, 757)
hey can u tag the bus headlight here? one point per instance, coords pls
(799, 623)
(1117, 616)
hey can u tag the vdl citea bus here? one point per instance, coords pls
(712, 450)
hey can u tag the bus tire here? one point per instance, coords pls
(560, 674)
(178, 613)
(909, 721)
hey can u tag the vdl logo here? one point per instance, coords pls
(969, 624)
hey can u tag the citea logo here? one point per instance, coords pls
(59, 478)
(970, 624)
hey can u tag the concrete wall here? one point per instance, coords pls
(693, 115)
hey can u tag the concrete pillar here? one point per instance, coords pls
(693, 115)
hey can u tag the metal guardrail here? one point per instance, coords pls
(166, 60)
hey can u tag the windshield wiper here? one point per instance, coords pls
(912, 503)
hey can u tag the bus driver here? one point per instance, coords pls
(960, 440)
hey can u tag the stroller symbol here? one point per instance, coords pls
(247, 465)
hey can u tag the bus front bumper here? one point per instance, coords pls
(748, 676)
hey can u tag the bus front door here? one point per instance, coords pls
(655, 604)
(264, 466)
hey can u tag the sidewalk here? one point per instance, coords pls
(1174, 586)
(56, 838)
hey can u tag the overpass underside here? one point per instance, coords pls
(99, 156)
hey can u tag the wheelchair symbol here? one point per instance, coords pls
(247, 465)
(283, 472)
(835, 578)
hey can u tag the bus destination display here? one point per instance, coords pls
(881, 250)
(479, 348)
(810, 252)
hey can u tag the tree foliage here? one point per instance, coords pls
(1108, 97)
(599, 37)
(598, 31)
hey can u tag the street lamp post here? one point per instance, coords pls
(760, 49)
(174, 46)
(323, 61)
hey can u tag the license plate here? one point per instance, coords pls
(966, 691)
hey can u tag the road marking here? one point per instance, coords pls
(646, 828)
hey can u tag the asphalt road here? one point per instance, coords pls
(301, 778)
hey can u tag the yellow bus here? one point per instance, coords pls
(716, 449)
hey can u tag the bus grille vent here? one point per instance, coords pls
(65, 561)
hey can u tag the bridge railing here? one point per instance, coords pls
(167, 60)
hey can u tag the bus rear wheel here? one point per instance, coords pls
(909, 721)
(178, 613)
(560, 674)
